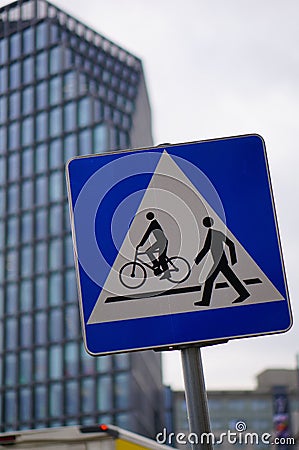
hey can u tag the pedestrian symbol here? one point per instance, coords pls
(159, 236)
(214, 242)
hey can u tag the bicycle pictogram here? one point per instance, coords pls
(134, 273)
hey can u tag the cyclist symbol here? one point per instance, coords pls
(175, 269)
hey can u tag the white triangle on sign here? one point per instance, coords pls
(180, 209)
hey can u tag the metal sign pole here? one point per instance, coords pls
(196, 399)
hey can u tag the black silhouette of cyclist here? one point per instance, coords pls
(215, 241)
(160, 245)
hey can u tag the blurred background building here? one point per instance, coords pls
(273, 407)
(65, 90)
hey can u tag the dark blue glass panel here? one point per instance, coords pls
(27, 100)
(28, 40)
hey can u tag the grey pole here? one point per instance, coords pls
(196, 399)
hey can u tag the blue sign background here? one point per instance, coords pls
(238, 170)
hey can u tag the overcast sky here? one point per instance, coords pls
(219, 68)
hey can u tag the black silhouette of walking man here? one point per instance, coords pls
(215, 241)
(160, 245)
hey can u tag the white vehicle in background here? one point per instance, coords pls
(98, 437)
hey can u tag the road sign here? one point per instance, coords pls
(176, 245)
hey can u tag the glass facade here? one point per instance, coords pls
(64, 91)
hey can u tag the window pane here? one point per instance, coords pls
(40, 364)
(25, 405)
(56, 186)
(13, 193)
(55, 122)
(70, 117)
(27, 191)
(2, 172)
(11, 408)
(70, 286)
(122, 390)
(55, 63)
(3, 80)
(15, 46)
(11, 299)
(12, 231)
(41, 226)
(55, 154)
(88, 400)
(26, 293)
(25, 367)
(72, 330)
(104, 393)
(55, 289)
(14, 167)
(27, 131)
(55, 254)
(70, 85)
(41, 67)
(41, 158)
(41, 35)
(56, 400)
(13, 136)
(3, 51)
(27, 227)
(71, 359)
(40, 402)
(28, 70)
(11, 266)
(72, 397)
(26, 261)
(40, 257)
(55, 327)
(54, 33)
(100, 138)
(10, 369)
(55, 362)
(27, 100)
(40, 328)
(3, 109)
(26, 331)
(84, 112)
(40, 292)
(14, 106)
(82, 83)
(2, 139)
(97, 110)
(41, 194)
(85, 145)
(69, 253)
(55, 90)
(11, 333)
(41, 126)
(42, 95)
(27, 162)
(70, 147)
(104, 363)
(122, 361)
(14, 75)
(28, 41)
(55, 219)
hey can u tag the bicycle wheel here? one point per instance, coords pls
(179, 268)
(132, 275)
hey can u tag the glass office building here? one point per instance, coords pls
(272, 407)
(64, 91)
